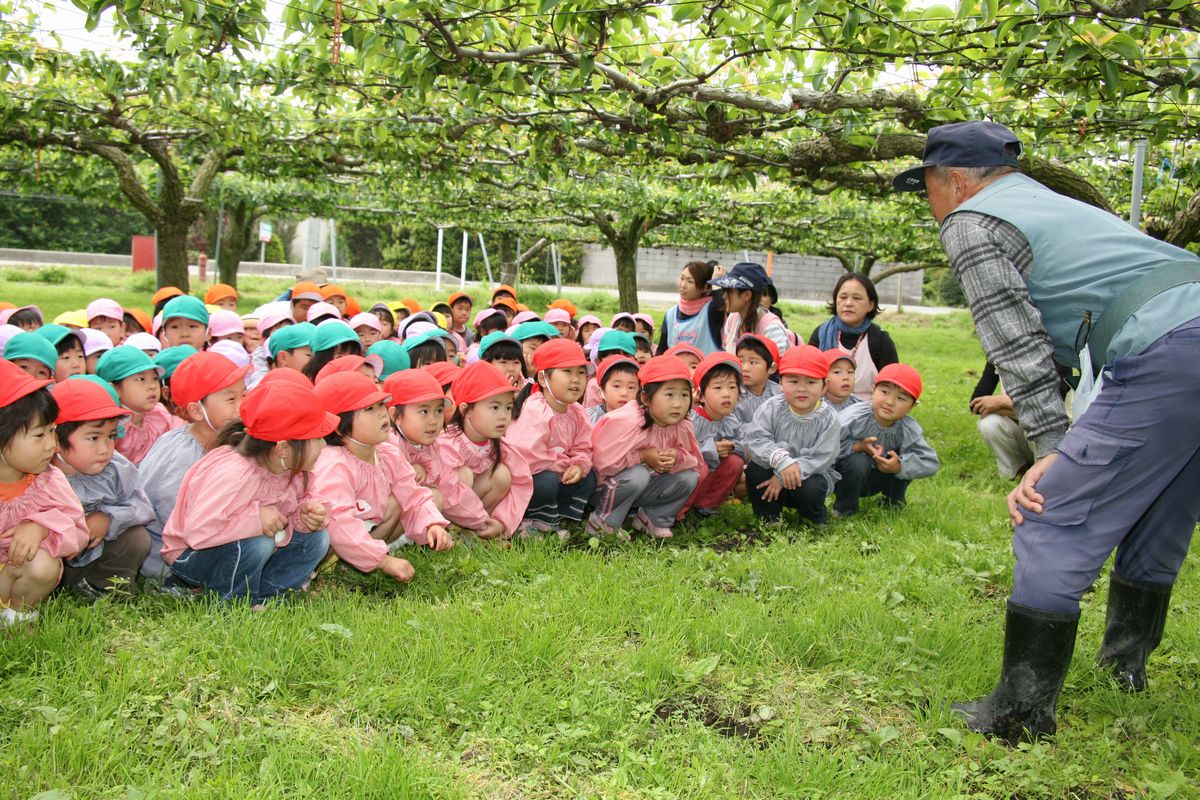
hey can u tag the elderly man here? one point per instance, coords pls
(1051, 279)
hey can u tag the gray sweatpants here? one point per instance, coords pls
(660, 496)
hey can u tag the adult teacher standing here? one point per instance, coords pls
(1053, 279)
(852, 330)
(698, 317)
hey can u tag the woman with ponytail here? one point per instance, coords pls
(742, 288)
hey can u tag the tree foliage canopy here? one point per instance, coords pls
(693, 121)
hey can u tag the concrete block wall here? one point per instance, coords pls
(798, 277)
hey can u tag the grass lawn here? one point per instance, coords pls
(721, 664)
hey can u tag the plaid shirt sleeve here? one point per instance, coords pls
(991, 258)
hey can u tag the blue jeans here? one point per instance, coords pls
(552, 499)
(1127, 476)
(253, 567)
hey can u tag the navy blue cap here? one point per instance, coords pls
(962, 144)
(745, 275)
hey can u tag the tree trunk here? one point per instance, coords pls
(172, 252)
(627, 285)
(241, 218)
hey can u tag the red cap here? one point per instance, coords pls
(559, 354)
(412, 386)
(835, 355)
(165, 293)
(285, 375)
(479, 381)
(666, 367)
(349, 391)
(282, 410)
(712, 360)
(772, 348)
(219, 291)
(84, 401)
(804, 360)
(15, 383)
(904, 376)
(350, 364)
(443, 371)
(613, 361)
(201, 374)
(685, 348)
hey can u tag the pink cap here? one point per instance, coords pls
(103, 307)
(645, 319)
(557, 315)
(323, 310)
(156, 323)
(525, 316)
(8, 312)
(272, 314)
(8, 331)
(142, 341)
(484, 314)
(366, 318)
(95, 341)
(231, 350)
(224, 323)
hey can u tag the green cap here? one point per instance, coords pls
(643, 337)
(617, 340)
(30, 345)
(103, 384)
(527, 330)
(172, 357)
(395, 357)
(187, 307)
(331, 334)
(422, 338)
(123, 361)
(490, 341)
(291, 337)
(54, 334)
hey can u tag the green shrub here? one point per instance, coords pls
(55, 276)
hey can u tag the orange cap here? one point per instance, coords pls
(306, 290)
(352, 306)
(565, 305)
(457, 296)
(508, 303)
(143, 319)
(219, 291)
(504, 287)
(412, 305)
(332, 290)
(165, 293)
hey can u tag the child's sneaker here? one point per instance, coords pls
(10, 617)
(596, 526)
(642, 523)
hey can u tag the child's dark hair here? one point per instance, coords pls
(67, 344)
(345, 425)
(649, 390)
(749, 320)
(492, 322)
(455, 427)
(64, 430)
(720, 371)
(323, 357)
(603, 354)
(235, 435)
(26, 316)
(619, 369)
(867, 284)
(519, 401)
(31, 411)
(131, 324)
(758, 348)
(506, 351)
(428, 352)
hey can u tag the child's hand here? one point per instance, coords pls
(439, 538)
(656, 459)
(790, 477)
(574, 474)
(398, 568)
(312, 514)
(26, 539)
(668, 455)
(868, 446)
(272, 521)
(419, 472)
(889, 464)
(725, 447)
(491, 529)
(771, 489)
(97, 525)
